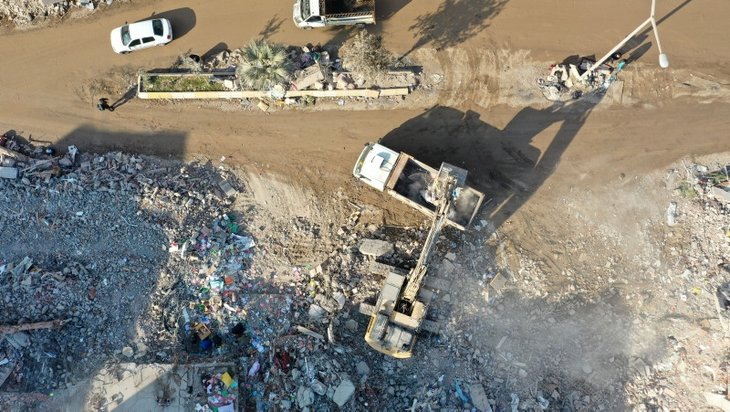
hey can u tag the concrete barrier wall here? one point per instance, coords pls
(251, 94)
(256, 94)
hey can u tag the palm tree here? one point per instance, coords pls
(263, 65)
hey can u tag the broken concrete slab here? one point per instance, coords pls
(479, 397)
(128, 351)
(326, 303)
(498, 282)
(308, 332)
(720, 194)
(351, 325)
(6, 368)
(375, 248)
(308, 77)
(305, 396)
(18, 340)
(22, 267)
(9, 172)
(319, 388)
(316, 312)
(227, 189)
(343, 393)
(362, 368)
(446, 268)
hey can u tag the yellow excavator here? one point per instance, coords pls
(400, 311)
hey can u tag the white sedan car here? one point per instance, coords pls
(141, 35)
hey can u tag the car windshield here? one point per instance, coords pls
(306, 12)
(157, 27)
(126, 38)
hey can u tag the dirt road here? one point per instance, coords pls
(45, 87)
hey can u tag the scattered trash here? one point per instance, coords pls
(460, 393)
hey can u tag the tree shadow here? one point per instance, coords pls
(271, 27)
(167, 144)
(220, 47)
(183, 20)
(502, 163)
(340, 34)
(454, 22)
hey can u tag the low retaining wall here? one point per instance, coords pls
(256, 94)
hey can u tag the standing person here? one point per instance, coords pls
(104, 105)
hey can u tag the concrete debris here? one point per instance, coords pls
(150, 262)
(319, 388)
(363, 368)
(227, 189)
(376, 248)
(309, 332)
(672, 214)
(479, 398)
(316, 312)
(721, 194)
(25, 13)
(305, 397)
(21, 267)
(343, 393)
(9, 172)
(498, 282)
(307, 77)
(19, 340)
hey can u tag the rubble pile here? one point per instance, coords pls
(119, 258)
(150, 261)
(24, 13)
(89, 238)
(646, 330)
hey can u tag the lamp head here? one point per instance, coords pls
(663, 61)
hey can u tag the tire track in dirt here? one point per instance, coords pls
(484, 77)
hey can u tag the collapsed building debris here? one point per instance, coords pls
(147, 261)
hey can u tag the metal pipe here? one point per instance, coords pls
(618, 46)
(663, 59)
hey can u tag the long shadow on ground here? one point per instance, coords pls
(454, 22)
(167, 144)
(503, 163)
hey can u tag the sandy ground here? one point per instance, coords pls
(532, 159)
(46, 87)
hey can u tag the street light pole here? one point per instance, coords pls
(663, 59)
